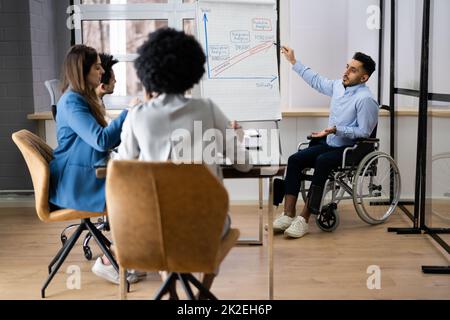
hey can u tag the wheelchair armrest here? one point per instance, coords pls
(311, 138)
(367, 140)
(359, 144)
(344, 155)
(302, 144)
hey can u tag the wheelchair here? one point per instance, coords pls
(367, 176)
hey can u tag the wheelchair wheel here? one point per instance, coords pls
(328, 219)
(376, 187)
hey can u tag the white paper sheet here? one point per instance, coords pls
(242, 72)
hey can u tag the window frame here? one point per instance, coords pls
(174, 11)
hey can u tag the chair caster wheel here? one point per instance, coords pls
(328, 219)
(87, 253)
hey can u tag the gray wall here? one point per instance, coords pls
(33, 41)
(50, 39)
(319, 36)
(16, 90)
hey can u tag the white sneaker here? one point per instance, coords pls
(139, 274)
(282, 222)
(108, 272)
(298, 228)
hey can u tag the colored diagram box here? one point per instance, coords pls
(219, 52)
(240, 36)
(261, 24)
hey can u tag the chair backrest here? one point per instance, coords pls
(54, 89)
(355, 156)
(37, 155)
(165, 216)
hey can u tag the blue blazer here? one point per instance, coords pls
(82, 142)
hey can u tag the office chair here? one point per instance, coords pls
(168, 217)
(37, 155)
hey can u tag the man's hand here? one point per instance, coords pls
(288, 54)
(323, 133)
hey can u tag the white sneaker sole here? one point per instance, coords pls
(279, 230)
(275, 230)
(104, 276)
(294, 235)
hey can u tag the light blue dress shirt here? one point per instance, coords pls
(353, 110)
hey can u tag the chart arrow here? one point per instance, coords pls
(205, 22)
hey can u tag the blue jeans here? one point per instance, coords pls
(320, 156)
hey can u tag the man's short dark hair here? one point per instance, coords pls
(170, 61)
(107, 63)
(368, 63)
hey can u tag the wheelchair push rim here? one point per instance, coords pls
(376, 187)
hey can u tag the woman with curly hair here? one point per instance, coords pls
(170, 63)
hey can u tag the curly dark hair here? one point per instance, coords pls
(107, 63)
(368, 64)
(170, 61)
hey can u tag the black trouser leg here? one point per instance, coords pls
(324, 165)
(297, 163)
(315, 194)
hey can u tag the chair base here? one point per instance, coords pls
(436, 269)
(101, 225)
(169, 287)
(62, 254)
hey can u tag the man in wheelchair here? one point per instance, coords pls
(353, 115)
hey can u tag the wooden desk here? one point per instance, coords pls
(261, 172)
(257, 172)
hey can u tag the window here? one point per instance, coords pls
(119, 27)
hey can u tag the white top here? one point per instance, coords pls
(173, 127)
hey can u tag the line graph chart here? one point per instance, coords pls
(241, 61)
(243, 52)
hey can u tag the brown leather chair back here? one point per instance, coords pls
(165, 216)
(37, 155)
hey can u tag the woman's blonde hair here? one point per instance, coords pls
(77, 64)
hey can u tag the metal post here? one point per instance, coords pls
(392, 82)
(423, 118)
(380, 52)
